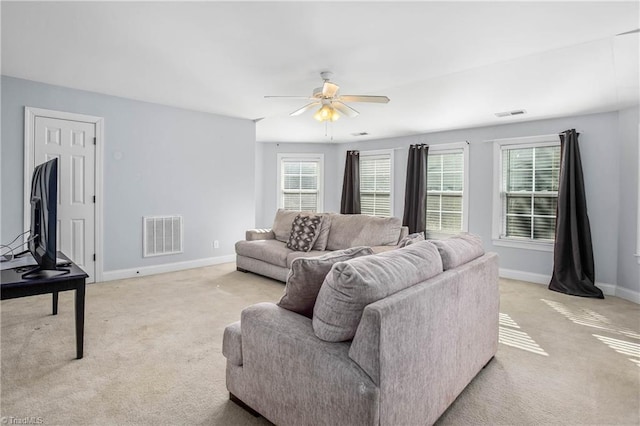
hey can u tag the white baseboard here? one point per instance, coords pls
(630, 295)
(607, 289)
(167, 267)
(524, 276)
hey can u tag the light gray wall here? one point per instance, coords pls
(174, 161)
(268, 161)
(628, 268)
(601, 150)
(599, 146)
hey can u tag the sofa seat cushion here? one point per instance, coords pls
(270, 251)
(352, 230)
(350, 286)
(308, 274)
(459, 249)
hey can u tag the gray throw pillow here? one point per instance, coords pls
(459, 249)
(350, 286)
(304, 232)
(321, 242)
(410, 239)
(307, 275)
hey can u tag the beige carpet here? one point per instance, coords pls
(153, 356)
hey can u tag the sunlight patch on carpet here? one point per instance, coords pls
(623, 347)
(590, 318)
(507, 321)
(508, 335)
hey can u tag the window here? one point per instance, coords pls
(529, 172)
(300, 181)
(447, 180)
(375, 183)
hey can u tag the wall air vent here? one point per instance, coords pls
(161, 235)
(510, 113)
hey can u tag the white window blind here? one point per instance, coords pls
(445, 191)
(375, 184)
(529, 191)
(300, 184)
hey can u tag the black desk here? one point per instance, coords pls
(14, 286)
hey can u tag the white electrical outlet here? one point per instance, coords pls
(216, 244)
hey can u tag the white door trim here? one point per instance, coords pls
(30, 115)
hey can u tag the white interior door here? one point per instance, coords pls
(73, 143)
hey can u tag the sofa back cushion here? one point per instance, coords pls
(352, 285)
(351, 230)
(308, 274)
(459, 249)
(282, 223)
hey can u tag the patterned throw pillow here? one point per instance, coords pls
(304, 232)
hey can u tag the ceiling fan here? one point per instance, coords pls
(331, 103)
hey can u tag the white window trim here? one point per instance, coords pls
(444, 148)
(496, 228)
(384, 153)
(299, 157)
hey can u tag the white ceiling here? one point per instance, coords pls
(444, 65)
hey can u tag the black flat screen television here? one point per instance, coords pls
(44, 220)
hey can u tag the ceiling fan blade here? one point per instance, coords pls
(629, 32)
(304, 108)
(290, 97)
(329, 89)
(364, 98)
(345, 109)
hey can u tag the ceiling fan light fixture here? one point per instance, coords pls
(332, 103)
(326, 113)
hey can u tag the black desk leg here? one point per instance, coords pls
(80, 319)
(55, 303)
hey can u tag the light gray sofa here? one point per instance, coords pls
(264, 251)
(412, 354)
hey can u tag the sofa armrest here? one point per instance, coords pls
(283, 359)
(265, 323)
(232, 343)
(259, 234)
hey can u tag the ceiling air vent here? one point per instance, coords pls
(359, 134)
(510, 113)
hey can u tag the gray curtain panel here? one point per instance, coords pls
(415, 197)
(573, 265)
(350, 203)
